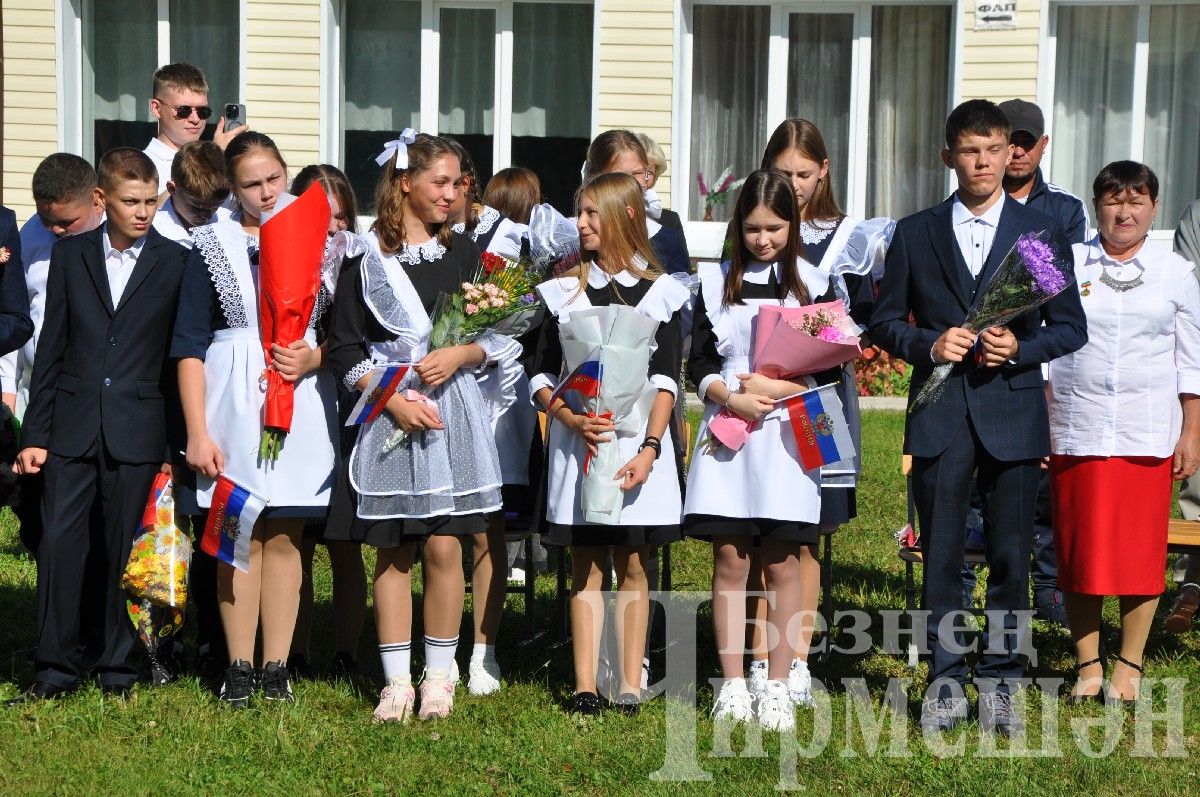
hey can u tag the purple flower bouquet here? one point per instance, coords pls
(1030, 275)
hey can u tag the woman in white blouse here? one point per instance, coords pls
(1124, 422)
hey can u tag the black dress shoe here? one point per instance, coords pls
(41, 690)
(585, 703)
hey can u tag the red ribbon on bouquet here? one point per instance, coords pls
(587, 460)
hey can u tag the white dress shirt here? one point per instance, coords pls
(16, 368)
(163, 156)
(119, 264)
(975, 233)
(1119, 394)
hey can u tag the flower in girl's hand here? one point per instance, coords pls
(471, 308)
(5, 254)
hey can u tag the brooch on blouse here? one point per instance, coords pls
(1086, 289)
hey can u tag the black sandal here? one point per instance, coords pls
(1129, 702)
(1098, 697)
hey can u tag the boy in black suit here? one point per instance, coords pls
(990, 425)
(96, 424)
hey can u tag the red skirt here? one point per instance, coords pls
(1110, 523)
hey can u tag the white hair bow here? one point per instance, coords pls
(398, 149)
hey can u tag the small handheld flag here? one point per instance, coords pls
(384, 381)
(231, 523)
(819, 427)
(584, 380)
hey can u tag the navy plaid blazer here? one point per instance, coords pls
(926, 276)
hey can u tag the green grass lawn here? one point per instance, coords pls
(177, 740)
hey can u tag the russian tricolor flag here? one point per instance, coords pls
(584, 380)
(819, 426)
(384, 381)
(231, 523)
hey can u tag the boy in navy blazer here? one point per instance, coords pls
(990, 425)
(96, 421)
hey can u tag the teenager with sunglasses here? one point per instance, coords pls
(179, 101)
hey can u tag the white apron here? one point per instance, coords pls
(764, 479)
(233, 398)
(658, 501)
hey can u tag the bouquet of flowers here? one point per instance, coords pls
(719, 192)
(791, 342)
(500, 299)
(608, 349)
(292, 242)
(1030, 275)
(156, 574)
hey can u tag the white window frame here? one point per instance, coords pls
(855, 201)
(1141, 71)
(333, 44)
(72, 18)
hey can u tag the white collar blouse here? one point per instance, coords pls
(1119, 394)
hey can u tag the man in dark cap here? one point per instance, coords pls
(1023, 179)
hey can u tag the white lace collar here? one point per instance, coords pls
(813, 232)
(488, 216)
(598, 277)
(431, 251)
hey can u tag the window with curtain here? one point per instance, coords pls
(467, 82)
(1093, 92)
(377, 103)
(552, 94)
(910, 76)
(123, 56)
(897, 171)
(729, 96)
(1095, 118)
(1172, 136)
(820, 50)
(121, 42)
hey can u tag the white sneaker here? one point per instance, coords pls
(800, 684)
(775, 708)
(734, 702)
(758, 678)
(483, 677)
(396, 702)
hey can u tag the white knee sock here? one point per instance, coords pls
(397, 662)
(439, 653)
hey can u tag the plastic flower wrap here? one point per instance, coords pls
(1030, 275)
(156, 575)
(790, 342)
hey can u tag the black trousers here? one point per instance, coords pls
(942, 487)
(74, 487)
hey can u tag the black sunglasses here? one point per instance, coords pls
(184, 111)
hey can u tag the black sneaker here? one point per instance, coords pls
(238, 685)
(277, 683)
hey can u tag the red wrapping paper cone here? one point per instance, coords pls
(292, 243)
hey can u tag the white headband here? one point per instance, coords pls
(398, 149)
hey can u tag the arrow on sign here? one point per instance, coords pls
(1002, 18)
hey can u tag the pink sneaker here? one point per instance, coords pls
(396, 703)
(437, 694)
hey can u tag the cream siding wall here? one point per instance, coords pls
(30, 97)
(283, 76)
(636, 72)
(1001, 64)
